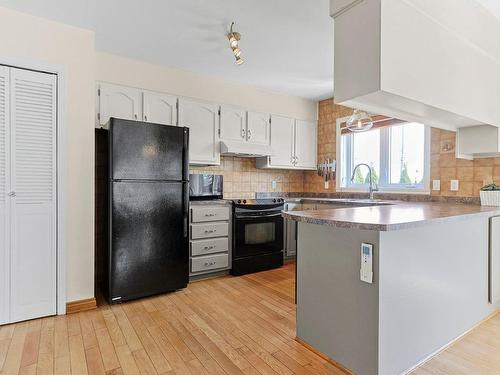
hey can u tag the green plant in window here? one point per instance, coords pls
(405, 178)
(375, 177)
(358, 177)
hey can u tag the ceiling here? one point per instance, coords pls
(287, 45)
(492, 5)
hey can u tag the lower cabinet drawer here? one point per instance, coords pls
(210, 213)
(210, 262)
(215, 245)
(209, 230)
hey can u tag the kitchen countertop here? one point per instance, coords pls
(390, 215)
(211, 202)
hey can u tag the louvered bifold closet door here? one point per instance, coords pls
(33, 224)
(4, 198)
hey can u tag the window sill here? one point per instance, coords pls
(386, 191)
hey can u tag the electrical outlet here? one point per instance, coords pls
(273, 184)
(436, 184)
(454, 185)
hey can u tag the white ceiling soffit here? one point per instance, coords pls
(287, 45)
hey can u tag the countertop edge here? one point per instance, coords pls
(386, 227)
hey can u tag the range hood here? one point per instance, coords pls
(244, 149)
(434, 62)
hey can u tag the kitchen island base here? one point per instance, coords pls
(430, 285)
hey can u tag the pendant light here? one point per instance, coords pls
(360, 121)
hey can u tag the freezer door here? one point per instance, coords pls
(143, 151)
(148, 239)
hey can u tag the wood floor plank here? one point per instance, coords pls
(77, 355)
(94, 360)
(107, 350)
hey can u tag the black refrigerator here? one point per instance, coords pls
(148, 250)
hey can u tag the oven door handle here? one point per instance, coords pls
(238, 216)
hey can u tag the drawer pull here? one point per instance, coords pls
(209, 215)
(209, 247)
(208, 264)
(210, 230)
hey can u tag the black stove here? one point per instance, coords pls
(257, 235)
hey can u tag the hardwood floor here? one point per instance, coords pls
(229, 325)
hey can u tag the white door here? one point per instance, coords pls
(305, 144)
(202, 119)
(4, 198)
(232, 124)
(33, 217)
(258, 128)
(159, 108)
(282, 136)
(120, 102)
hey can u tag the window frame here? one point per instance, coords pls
(344, 165)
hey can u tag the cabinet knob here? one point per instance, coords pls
(243, 133)
(145, 118)
(249, 134)
(12, 194)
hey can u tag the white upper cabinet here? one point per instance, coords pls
(159, 108)
(202, 119)
(258, 128)
(233, 124)
(418, 61)
(282, 141)
(120, 102)
(293, 144)
(305, 144)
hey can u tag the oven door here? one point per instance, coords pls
(256, 234)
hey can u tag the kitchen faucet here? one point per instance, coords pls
(370, 176)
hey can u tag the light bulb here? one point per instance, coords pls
(237, 52)
(360, 121)
(233, 42)
(239, 60)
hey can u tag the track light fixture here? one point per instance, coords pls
(234, 38)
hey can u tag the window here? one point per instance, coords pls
(398, 156)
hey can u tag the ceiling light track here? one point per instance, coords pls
(234, 38)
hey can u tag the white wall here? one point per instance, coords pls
(27, 39)
(129, 72)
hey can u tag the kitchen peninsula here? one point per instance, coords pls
(430, 281)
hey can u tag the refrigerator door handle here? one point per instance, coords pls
(186, 208)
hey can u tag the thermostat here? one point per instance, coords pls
(366, 271)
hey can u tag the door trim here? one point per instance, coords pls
(61, 156)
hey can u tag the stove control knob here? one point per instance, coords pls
(239, 200)
(274, 200)
(244, 201)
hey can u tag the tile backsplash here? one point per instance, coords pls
(242, 179)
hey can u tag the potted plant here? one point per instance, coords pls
(490, 195)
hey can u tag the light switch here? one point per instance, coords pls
(436, 184)
(273, 185)
(454, 185)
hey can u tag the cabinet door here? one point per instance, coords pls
(305, 144)
(233, 124)
(120, 102)
(159, 108)
(4, 198)
(282, 136)
(202, 119)
(33, 219)
(258, 128)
